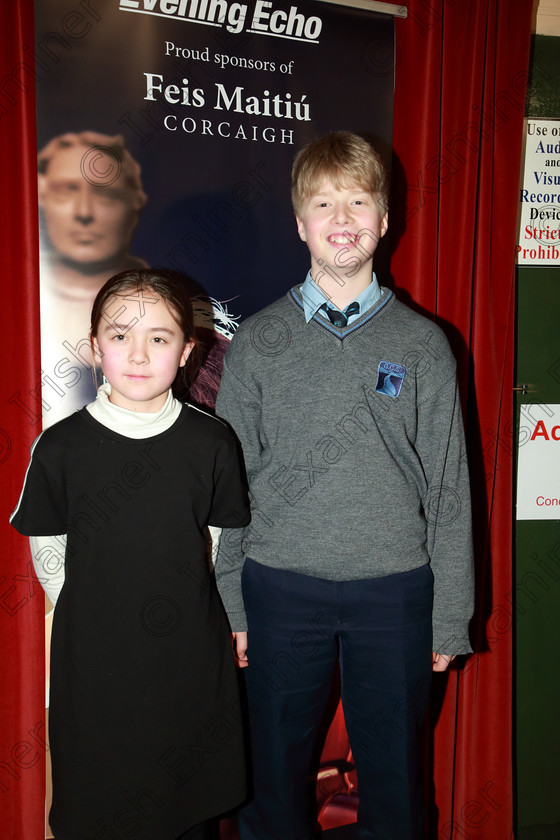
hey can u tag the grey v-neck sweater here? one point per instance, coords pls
(354, 448)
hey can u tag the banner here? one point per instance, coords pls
(166, 135)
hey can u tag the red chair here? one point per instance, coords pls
(337, 784)
(335, 778)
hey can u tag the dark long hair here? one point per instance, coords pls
(169, 286)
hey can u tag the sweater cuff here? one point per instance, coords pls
(451, 640)
(238, 621)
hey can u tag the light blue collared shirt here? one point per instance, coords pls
(314, 298)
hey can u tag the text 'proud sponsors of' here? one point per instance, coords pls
(262, 19)
(266, 103)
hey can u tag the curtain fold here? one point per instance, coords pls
(459, 104)
(23, 740)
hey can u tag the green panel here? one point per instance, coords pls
(537, 563)
(537, 570)
(538, 332)
(538, 672)
(539, 832)
(543, 96)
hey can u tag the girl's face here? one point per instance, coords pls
(140, 346)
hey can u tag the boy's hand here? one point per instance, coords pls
(239, 644)
(440, 661)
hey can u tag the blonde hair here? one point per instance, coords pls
(343, 158)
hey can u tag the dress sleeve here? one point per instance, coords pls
(440, 444)
(41, 509)
(230, 503)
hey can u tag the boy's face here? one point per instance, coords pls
(341, 228)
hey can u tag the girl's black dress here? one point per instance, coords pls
(146, 732)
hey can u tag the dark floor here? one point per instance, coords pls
(348, 832)
(534, 832)
(228, 831)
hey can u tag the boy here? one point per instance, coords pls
(359, 548)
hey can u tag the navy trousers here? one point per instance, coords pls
(380, 632)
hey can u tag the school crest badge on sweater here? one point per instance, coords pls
(390, 378)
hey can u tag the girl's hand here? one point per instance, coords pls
(440, 661)
(239, 644)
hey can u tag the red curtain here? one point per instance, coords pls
(22, 677)
(461, 77)
(460, 81)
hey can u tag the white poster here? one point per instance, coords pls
(538, 465)
(539, 227)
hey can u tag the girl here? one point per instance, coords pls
(145, 730)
